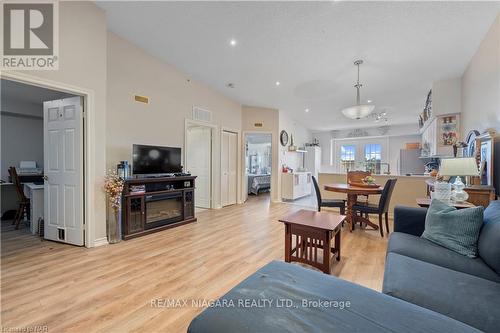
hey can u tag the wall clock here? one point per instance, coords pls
(284, 138)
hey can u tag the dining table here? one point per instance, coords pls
(352, 193)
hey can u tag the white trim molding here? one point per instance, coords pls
(90, 182)
(101, 241)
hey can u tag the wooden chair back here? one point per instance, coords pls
(318, 193)
(17, 184)
(354, 177)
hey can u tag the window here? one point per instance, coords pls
(348, 153)
(373, 152)
(373, 156)
(347, 157)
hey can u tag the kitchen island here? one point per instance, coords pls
(407, 190)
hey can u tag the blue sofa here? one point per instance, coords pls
(426, 274)
(431, 289)
(246, 307)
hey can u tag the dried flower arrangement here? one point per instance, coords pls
(113, 186)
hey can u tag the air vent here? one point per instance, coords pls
(141, 99)
(202, 114)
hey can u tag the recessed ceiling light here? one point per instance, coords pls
(306, 110)
(278, 83)
(369, 101)
(233, 42)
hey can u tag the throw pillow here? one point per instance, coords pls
(455, 229)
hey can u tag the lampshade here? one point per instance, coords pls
(358, 111)
(458, 167)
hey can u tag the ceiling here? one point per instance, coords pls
(309, 47)
(27, 93)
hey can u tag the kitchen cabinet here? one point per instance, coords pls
(439, 134)
(295, 185)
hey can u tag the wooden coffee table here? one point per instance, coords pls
(313, 231)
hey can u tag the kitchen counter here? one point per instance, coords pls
(381, 175)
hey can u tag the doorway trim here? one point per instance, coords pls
(214, 129)
(89, 144)
(244, 196)
(239, 199)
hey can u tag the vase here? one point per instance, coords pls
(114, 225)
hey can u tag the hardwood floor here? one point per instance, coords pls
(111, 288)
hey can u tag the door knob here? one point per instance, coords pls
(45, 177)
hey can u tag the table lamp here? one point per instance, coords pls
(459, 167)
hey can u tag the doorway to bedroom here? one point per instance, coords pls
(258, 164)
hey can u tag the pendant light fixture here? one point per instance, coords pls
(359, 110)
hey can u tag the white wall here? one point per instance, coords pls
(481, 91)
(446, 96)
(481, 85)
(22, 134)
(172, 95)
(301, 136)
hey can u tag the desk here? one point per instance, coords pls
(35, 194)
(352, 196)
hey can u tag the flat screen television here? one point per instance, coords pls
(155, 160)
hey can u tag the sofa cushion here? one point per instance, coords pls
(368, 310)
(461, 296)
(457, 230)
(489, 238)
(422, 249)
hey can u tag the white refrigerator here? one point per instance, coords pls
(313, 160)
(410, 162)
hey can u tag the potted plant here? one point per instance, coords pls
(113, 186)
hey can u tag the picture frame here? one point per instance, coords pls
(449, 129)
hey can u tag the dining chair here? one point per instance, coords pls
(356, 177)
(335, 203)
(382, 208)
(23, 201)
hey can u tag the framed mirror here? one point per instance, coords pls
(484, 148)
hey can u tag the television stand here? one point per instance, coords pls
(154, 204)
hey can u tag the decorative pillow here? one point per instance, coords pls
(455, 229)
(489, 239)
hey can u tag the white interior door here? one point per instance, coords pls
(199, 162)
(63, 164)
(229, 164)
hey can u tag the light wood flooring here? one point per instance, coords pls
(110, 288)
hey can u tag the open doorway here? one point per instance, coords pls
(198, 161)
(41, 168)
(258, 164)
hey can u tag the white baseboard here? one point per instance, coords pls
(101, 241)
